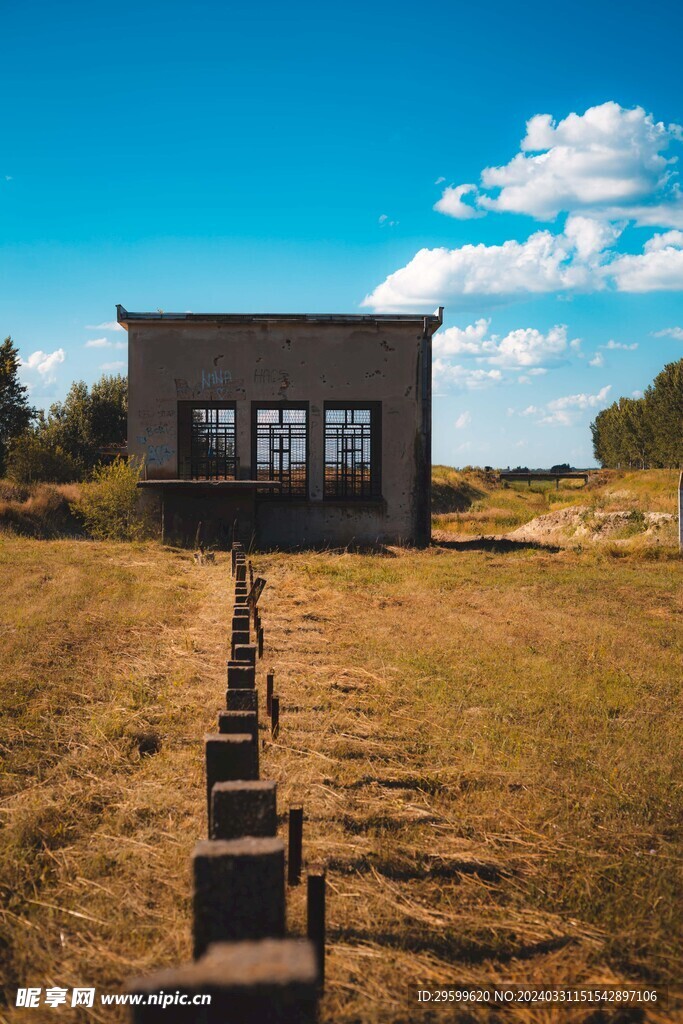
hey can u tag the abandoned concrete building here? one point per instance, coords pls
(299, 430)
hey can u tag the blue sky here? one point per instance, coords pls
(289, 158)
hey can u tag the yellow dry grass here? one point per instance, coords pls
(487, 747)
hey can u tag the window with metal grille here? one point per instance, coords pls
(352, 450)
(281, 449)
(206, 441)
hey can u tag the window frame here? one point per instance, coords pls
(184, 436)
(375, 409)
(276, 493)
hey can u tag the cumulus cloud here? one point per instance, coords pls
(523, 348)
(597, 360)
(113, 367)
(610, 161)
(105, 343)
(544, 263)
(447, 375)
(568, 262)
(108, 325)
(604, 169)
(451, 203)
(45, 363)
(563, 411)
(463, 420)
(669, 332)
(613, 345)
(658, 268)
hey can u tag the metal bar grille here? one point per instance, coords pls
(281, 450)
(349, 469)
(212, 444)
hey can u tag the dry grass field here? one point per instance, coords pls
(487, 745)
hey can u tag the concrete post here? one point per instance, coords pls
(243, 809)
(273, 980)
(228, 758)
(241, 675)
(241, 699)
(233, 721)
(239, 890)
(245, 653)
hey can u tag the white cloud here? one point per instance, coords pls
(45, 363)
(116, 365)
(462, 340)
(524, 347)
(544, 263)
(613, 345)
(451, 203)
(446, 375)
(463, 420)
(565, 411)
(581, 401)
(108, 325)
(529, 347)
(439, 180)
(658, 268)
(609, 161)
(636, 394)
(669, 332)
(567, 262)
(597, 360)
(105, 343)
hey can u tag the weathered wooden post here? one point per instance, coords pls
(315, 912)
(270, 683)
(295, 844)
(274, 717)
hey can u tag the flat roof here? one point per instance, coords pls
(429, 323)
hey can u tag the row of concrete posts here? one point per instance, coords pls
(245, 969)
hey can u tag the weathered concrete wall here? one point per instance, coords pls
(315, 362)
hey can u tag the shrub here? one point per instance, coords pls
(33, 458)
(109, 504)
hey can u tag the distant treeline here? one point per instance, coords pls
(644, 432)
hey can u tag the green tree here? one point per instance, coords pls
(15, 412)
(89, 419)
(644, 432)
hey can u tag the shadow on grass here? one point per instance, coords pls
(499, 545)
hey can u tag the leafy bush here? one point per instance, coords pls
(109, 504)
(33, 458)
